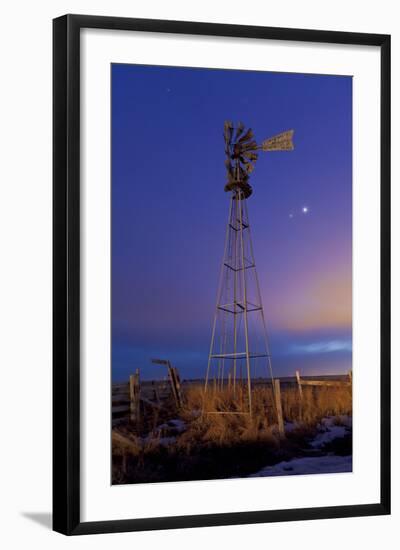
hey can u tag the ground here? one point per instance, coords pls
(185, 444)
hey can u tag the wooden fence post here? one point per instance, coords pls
(178, 386)
(300, 395)
(175, 384)
(299, 385)
(155, 391)
(278, 401)
(134, 396)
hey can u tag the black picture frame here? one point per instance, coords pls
(66, 273)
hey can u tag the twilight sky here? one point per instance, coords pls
(169, 213)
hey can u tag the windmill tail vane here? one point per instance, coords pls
(280, 142)
(241, 152)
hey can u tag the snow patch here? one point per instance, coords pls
(290, 426)
(178, 424)
(327, 437)
(329, 430)
(308, 465)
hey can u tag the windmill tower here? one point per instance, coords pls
(239, 349)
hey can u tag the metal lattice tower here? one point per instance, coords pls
(239, 350)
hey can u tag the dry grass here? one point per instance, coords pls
(317, 402)
(230, 444)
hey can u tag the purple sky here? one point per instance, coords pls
(169, 212)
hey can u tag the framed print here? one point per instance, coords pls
(221, 274)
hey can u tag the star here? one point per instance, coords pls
(290, 215)
(305, 209)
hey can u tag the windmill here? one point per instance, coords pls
(239, 349)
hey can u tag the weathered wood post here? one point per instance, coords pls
(299, 385)
(178, 386)
(156, 394)
(300, 395)
(278, 402)
(134, 397)
(175, 384)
